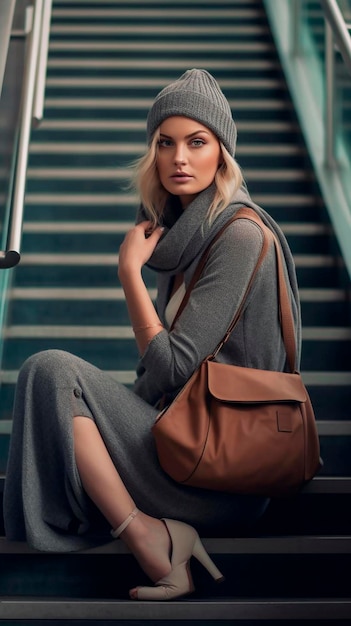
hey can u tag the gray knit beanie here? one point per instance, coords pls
(196, 94)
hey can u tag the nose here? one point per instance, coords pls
(179, 155)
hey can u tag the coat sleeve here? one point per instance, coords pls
(171, 357)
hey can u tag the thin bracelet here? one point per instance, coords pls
(137, 329)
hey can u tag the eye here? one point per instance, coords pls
(197, 143)
(165, 143)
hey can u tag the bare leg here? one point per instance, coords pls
(146, 537)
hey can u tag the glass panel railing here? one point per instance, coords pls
(314, 46)
(343, 100)
(334, 86)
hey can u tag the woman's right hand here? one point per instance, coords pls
(137, 247)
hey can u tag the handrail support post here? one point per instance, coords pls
(330, 155)
(296, 27)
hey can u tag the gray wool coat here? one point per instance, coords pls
(44, 502)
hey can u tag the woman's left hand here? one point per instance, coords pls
(137, 247)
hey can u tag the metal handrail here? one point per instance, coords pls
(340, 30)
(5, 31)
(38, 106)
(336, 32)
(31, 95)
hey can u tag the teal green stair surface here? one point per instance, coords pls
(107, 61)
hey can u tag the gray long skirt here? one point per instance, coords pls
(44, 501)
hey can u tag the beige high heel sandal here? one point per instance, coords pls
(185, 544)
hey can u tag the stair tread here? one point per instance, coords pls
(319, 485)
(186, 608)
(250, 544)
(125, 331)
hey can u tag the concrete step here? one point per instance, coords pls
(178, 613)
(52, 305)
(290, 578)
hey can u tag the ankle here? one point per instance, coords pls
(141, 529)
(148, 540)
(122, 527)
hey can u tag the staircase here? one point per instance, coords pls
(107, 61)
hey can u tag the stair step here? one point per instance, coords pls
(133, 150)
(78, 239)
(122, 227)
(108, 91)
(116, 293)
(125, 332)
(203, 10)
(172, 66)
(50, 305)
(75, 48)
(143, 105)
(100, 207)
(327, 485)
(99, 351)
(159, 4)
(281, 570)
(303, 544)
(209, 612)
(105, 172)
(57, 108)
(73, 33)
(330, 394)
(242, 10)
(154, 3)
(60, 268)
(145, 85)
(132, 125)
(76, 174)
(58, 130)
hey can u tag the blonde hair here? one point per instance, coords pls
(153, 195)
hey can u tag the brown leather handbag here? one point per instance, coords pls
(237, 429)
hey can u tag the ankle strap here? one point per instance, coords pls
(116, 533)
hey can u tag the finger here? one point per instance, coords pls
(156, 234)
(149, 228)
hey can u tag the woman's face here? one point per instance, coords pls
(188, 157)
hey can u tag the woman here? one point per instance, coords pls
(63, 473)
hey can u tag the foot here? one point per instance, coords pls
(178, 582)
(149, 541)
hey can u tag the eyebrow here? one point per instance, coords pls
(197, 132)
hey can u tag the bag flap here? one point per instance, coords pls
(243, 384)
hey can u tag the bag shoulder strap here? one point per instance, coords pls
(285, 313)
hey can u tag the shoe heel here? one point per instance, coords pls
(201, 555)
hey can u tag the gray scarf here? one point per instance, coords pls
(187, 233)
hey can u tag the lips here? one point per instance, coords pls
(181, 176)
